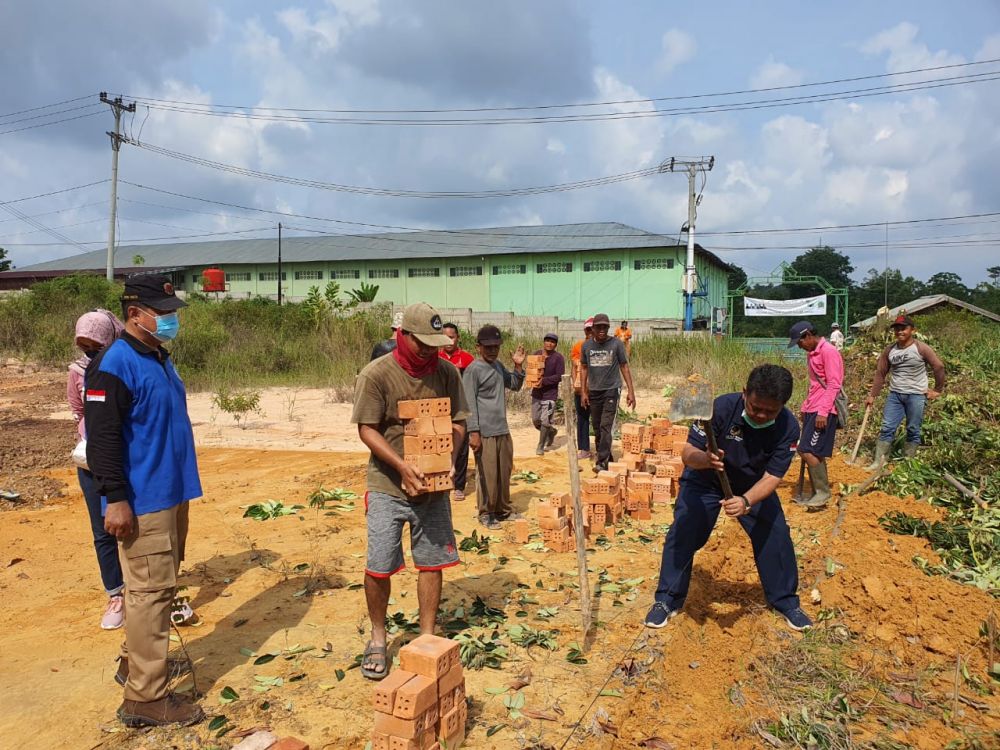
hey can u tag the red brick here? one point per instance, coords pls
(459, 694)
(433, 463)
(545, 510)
(447, 702)
(453, 722)
(521, 531)
(385, 690)
(561, 499)
(553, 523)
(289, 743)
(397, 727)
(414, 445)
(429, 655)
(380, 741)
(414, 697)
(423, 741)
(420, 426)
(451, 679)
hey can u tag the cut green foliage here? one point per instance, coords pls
(526, 476)
(482, 614)
(228, 695)
(514, 703)
(478, 652)
(270, 510)
(527, 637)
(397, 622)
(475, 543)
(575, 654)
(343, 499)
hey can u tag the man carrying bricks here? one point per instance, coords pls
(461, 359)
(396, 493)
(582, 414)
(604, 365)
(544, 396)
(756, 436)
(489, 436)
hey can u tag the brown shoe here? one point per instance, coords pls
(171, 709)
(176, 667)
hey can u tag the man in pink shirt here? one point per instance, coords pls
(819, 413)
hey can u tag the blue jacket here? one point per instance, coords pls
(140, 446)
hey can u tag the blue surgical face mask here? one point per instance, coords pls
(756, 425)
(166, 326)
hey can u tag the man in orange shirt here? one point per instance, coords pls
(582, 415)
(624, 333)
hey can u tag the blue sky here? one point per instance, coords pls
(906, 156)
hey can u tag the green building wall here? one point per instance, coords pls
(627, 284)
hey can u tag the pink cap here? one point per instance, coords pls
(589, 323)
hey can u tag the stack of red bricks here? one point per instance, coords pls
(602, 501)
(534, 370)
(421, 705)
(555, 519)
(654, 449)
(427, 440)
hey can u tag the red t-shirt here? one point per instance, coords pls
(461, 358)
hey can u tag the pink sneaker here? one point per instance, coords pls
(114, 615)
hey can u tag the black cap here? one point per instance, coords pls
(903, 320)
(488, 336)
(601, 320)
(799, 330)
(153, 290)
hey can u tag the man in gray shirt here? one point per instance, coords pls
(484, 382)
(905, 364)
(603, 365)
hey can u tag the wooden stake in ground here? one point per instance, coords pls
(569, 410)
(861, 434)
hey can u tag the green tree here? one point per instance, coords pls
(833, 267)
(4, 263)
(366, 293)
(138, 260)
(946, 282)
(737, 277)
(868, 296)
(993, 272)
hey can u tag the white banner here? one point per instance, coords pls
(806, 306)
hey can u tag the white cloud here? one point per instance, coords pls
(555, 146)
(678, 47)
(906, 52)
(772, 74)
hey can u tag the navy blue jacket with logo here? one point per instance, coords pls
(749, 453)
(140, 445)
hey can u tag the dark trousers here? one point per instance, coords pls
(462, 464)
(695, 514)
(105, 544)
(582, 426)
(603, 410)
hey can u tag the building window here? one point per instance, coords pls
(423, 273)
(602, 265)
(239, 276)
(554, 267)
(345, 274)
(383, 273)
(509, 269)
(196, 278)
(654, 264)
(308, 275)
(272, 276)
(465, 271)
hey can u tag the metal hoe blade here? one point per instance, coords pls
(691, 401)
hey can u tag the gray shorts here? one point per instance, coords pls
(542, 413)
(432, 538)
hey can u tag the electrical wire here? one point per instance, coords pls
(46, 124)
(393, 192)
(617, 102)
(54, 192)
(46, 106)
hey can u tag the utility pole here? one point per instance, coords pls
(279, 264)
(117, 107)
(691, 165)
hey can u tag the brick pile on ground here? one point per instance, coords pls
(421, 705)
(646, 475)
(427, 440)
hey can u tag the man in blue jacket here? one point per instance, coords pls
(757, 437)
(140, 448)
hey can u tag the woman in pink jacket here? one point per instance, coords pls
(94, 331)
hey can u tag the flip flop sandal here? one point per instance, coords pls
(374, 654)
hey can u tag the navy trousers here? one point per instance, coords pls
(582, 426)
(105, 544)
(695, 513)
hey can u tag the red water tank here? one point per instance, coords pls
(213, 280)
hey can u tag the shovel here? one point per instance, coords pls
(861, 434)
(799, 495)
(693, 401)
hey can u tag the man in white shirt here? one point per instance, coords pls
(837, 337)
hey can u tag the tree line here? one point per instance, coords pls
(864, 298)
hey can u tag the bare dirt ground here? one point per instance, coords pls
(290, 584)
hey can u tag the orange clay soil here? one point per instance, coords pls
(699, 683)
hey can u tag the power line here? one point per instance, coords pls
(53, 192)
(393, 192)
(46, 106)
(60, 210)
(617, 102)
(46, 124)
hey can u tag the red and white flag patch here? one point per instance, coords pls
(93, 395)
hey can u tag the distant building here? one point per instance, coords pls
(567, 271)
(924, 305)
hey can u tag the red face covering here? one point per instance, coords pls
(414, 366)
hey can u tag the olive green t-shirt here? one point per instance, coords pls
(379, 387)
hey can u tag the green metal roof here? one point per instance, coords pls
(558, 238)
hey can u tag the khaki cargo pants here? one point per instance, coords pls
(150, 559)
